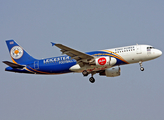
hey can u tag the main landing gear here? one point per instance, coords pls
(91, 79)
(85, 73)
(141, 68)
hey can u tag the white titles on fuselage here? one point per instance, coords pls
(61, 60)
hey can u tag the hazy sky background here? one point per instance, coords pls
(85, 25)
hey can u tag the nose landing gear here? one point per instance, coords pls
(141, 68)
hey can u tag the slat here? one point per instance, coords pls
(73, 53)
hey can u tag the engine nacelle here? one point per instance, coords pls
(111, 72)
(95, 64)
(106, 60)
(102, 61)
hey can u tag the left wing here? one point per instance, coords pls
(80, 57)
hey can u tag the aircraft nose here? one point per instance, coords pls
(159, 53)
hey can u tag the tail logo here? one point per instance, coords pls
(16, 52)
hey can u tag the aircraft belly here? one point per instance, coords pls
(89, 68)
(54, 68)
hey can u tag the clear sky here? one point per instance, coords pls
(85, 25)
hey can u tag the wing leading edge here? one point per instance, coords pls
(80, 57)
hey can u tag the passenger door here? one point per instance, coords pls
(36, 64)
(138, 49)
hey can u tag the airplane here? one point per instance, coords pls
(104, 62)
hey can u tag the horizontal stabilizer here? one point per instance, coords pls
(52, 43)
(13, 65)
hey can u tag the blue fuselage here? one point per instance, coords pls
(56, 65)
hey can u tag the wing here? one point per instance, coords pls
(13, 65)
(80, 57)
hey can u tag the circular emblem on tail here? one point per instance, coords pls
(16, 52)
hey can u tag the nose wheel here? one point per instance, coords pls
(141, 68)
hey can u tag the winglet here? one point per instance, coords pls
(53, 43)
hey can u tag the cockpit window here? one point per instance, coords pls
(150, 47)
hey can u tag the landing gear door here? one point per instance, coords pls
(138, 49)
(36, 64)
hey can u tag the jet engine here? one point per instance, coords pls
(111, 72)
(100, 62)
(106, 60)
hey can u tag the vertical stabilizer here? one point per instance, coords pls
(17, 53)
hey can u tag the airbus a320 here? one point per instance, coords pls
(104, 62)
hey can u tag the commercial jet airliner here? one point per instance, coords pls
(104, 62)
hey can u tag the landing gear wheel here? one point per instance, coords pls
(142, 69)
(85, 73)
(91, 79)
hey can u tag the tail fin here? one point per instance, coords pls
(17, 53)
